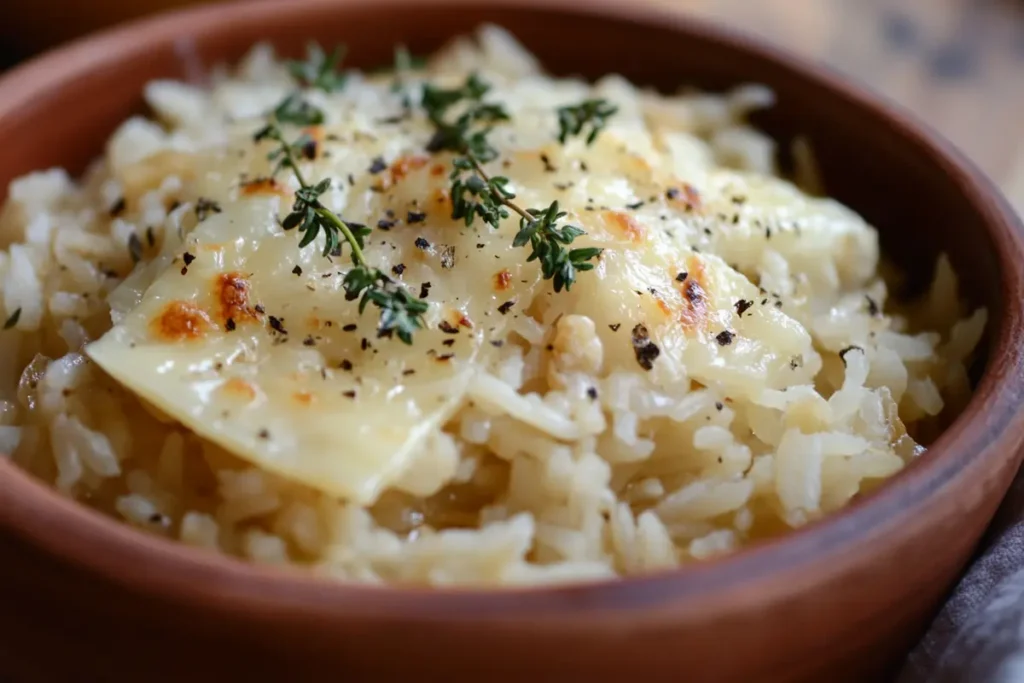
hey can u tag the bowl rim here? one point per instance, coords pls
(755, 575)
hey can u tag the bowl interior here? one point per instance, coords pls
(58, 111)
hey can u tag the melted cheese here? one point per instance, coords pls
(249, 341)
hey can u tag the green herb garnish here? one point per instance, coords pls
(475, 193)
(400, 312)
(319, 70)
(592, 114)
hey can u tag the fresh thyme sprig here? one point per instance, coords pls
(592, 114)
(319, 70)
(400, 312)
(475, 193)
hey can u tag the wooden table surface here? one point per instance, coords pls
(957, 63)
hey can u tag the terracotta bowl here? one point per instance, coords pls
(86, 598)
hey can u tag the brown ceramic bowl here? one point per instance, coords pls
(83, 597)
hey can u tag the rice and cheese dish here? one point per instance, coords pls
(729, 368)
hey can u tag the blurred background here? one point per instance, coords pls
(959, 64)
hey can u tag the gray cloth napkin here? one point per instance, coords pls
(978, 637)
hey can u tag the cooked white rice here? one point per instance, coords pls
(565, 459)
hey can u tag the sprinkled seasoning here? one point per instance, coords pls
(742, 305)
(724, 338)
(635, 205)
(297, 270)
(188, 258)
(13, 319)
(497, 343)
(414, 217)
(398, 269)
(548, 168)
(377, 165)
(645, 350)
(448, 257)
(506, 307)
(309, 341)
(614, 327)
(718, 405)
(445, 357)
(592, 393)
(264, 434)
(681, 277)
(873, 309)
(422, 243)
(351, 393)
(345, 365)
(351, 327)
(277, 324)
(309, 149)
(447, 327)
(672, 193)
(150, 237)
(229, 324)
(118, 208)
(424, 290)
(135, 248)
(385, 224)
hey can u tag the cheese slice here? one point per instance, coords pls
(249, 341)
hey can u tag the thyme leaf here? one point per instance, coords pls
(400, 312)
(475, 194)
(319, 70)
(578, 118)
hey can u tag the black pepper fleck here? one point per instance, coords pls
(873, 309)
(742, 305)
(229, 324)
(645, 350)
(345, 365)
(506, 307)
(592, 393)
(385, 224)
(614, 327)
(351, 393)
(681, 277)
(204, 207)
(135, 248)
(424, 290)
(415, 217)
(377, 165)
(309, 341)
(118, 208)
(724, 338)
(421, 243)
(264, 434)
(297, 270)
(398, 269)
(447, 327)
(277, 324)
(448, 257)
